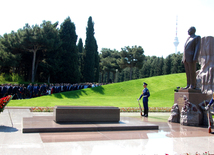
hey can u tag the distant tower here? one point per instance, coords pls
(176, 42)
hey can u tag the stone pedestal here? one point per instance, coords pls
(86, 114)
(194, 96)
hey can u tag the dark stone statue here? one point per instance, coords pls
(190, 56)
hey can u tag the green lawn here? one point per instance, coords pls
(123, 94)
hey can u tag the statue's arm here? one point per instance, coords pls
(197, 48)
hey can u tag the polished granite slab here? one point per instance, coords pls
(37, 124)
(86, 114)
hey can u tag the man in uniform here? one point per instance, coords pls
(145, 94)
(190, 56)
(210, 103)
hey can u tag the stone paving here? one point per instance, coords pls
(171, 138)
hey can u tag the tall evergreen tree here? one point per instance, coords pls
(48, 62)
(81, 61)
(96, 65)
(69, 54)
(90, 53)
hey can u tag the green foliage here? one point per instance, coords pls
(167, 65)
(90, 54)
(131, 57)
(10, 78)
(34, 39)
(69, 66)
(96, 65)
(8, 57)
(2, 79)
(16, 78)
(81, 61)
(123, 94)
(46, 53)
(109, 63)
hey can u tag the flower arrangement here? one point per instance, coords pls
(151, 109)
(41, 109)
(4, 101)
(205, 153)
(122, 109)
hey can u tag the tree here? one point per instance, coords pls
(181, 68)
(161, 65)
(136, 73)
(38, 38)
(108, 62)
(167, 65)
(131, 57)
(69, 53)
(174, 63)
(96, 65)
(156, 66)
(32, 42)
(105, 63)
(81, 61)
(7, 58)
(145, 70)
(90, 53)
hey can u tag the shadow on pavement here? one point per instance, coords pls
(7, 129)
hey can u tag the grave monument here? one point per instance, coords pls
(191, 99)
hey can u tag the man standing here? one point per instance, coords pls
(30, 90)
(35, 90)
(145, 94)
(10, 89)
(190, 56)
(210, 103)
(4, 92)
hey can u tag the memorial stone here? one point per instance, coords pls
(86, 114)
(205, 76)
(190, 114)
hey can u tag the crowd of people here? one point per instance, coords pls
(34, 90)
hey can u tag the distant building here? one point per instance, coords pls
(176, 42)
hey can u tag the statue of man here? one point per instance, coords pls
(190, 56)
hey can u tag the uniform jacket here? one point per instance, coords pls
(145, 94)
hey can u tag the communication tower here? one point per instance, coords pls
(176, 42)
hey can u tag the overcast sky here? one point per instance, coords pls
(118, 23)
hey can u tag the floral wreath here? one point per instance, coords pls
(4, 101)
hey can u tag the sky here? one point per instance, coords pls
(150, 24)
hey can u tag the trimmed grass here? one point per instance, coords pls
(123, 94)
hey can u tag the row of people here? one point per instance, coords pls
(22, 92)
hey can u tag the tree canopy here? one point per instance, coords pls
(49, 53)
(131, 57)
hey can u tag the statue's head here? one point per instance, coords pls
(191, 30)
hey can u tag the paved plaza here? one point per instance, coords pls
(170, 138)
